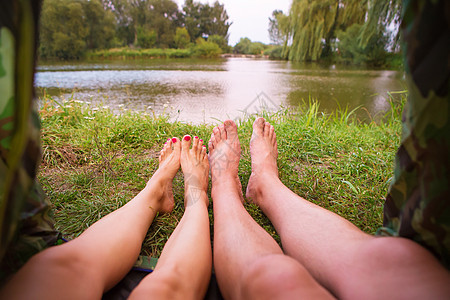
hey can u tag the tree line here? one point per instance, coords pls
(356, 31)
(69, 28)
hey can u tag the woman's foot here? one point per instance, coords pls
(169, 163)
(224, 152)
(195, 166)
(264, 154)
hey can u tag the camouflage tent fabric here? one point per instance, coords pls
(26, 226)
(418, 202)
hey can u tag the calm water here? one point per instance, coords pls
(207, 90)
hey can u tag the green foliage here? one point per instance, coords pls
(63, 32)
(71, 27)
(221, 41)
(146, 38)
(204, 48)
(275, 29)
(313, 26)
(256, 48)
(182, 38)
(351, 50)
(127, 53)
(274, 52)
(246, 46)
(101, 25)
(243, 46)
(204, 20)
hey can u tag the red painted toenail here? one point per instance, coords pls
(174, 140)
(201, 140)
(187, 138)
(168, 140)
(195, 137)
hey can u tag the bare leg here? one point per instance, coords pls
(249, 264)
(350, 263)
(95, 261)
(184, 268)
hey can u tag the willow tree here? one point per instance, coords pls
(313, 24)
(381, 15)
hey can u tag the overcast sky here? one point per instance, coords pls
(250, 17)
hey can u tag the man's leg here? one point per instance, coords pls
(184, 268)
(95, 261)
(347, 261)
(249, 264)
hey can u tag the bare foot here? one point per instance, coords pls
(211, 144)
(169, 163)
(224, 152)
(264, 154)
(195, 166)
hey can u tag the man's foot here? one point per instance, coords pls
(224, 152)
(264, 154)
(195, 166)
(169, 163)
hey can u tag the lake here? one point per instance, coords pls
(207, 90)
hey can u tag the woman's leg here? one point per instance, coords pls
(249, 264)
(87, 266)
(184, 268)
(347, 261)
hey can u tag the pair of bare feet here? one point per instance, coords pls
(224, 155)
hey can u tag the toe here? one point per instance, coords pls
(231, 129)
(161, 156)
(195, 143)
(210, 146)
(186, 143)
(203, 153)
(271, 132)
(266, 129)
(168, 147)
(176, 145)
(223, 133)
(258, 126)
(216, 133)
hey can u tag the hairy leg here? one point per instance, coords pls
(89, 265)
(184, 268)
(249, 264)
(347, 261)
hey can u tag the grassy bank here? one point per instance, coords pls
(202, 49)
(95, 161)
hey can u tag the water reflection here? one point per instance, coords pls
(206, 90)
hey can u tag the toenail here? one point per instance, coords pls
(174, 140)
(195, 137)
(168, 140)
(201, 140)
(187, 138)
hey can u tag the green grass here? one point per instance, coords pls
(203, 50)
(95, 161)
(128, 53)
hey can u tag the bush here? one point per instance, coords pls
(351, 51)
(221, 41)
(182, 38)
(203, 48)
(274, 52)
(146, 38)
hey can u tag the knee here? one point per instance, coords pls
(61, 261)
(395, 250)
(272, 276)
